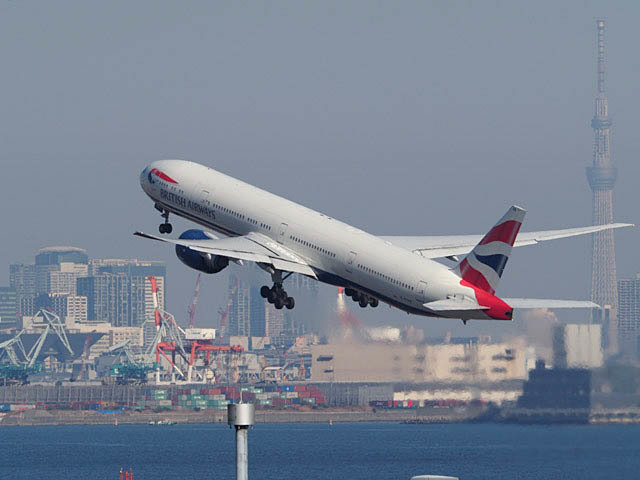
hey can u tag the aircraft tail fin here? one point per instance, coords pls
(483, 266)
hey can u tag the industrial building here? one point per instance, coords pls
(464, 360)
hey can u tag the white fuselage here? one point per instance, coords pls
(340, 254)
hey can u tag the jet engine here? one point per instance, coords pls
(203, 262)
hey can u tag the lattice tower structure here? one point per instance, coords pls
(602, 177)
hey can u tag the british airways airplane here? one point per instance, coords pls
(283, 237)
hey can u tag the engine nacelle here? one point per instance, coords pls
(203, 262)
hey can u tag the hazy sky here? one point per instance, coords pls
(398, 117)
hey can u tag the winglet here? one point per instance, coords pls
(146, 235)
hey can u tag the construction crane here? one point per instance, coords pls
(224, 313)
(192, 307)
(22, 363)
(169, 337)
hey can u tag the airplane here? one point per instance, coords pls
(283, 237)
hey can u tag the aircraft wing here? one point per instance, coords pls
(253, 247)
(450, 246)
(549, 303)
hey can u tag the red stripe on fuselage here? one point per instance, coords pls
(163, 176)
(498, 309)
(505, 232)
(474, 277)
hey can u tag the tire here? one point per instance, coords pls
(264, 291)
(169, 228)
(290, 303)
(356, 296)
(161, 228)
(349, 292)
(373, 302)
(278, 303)
(364, 301)
(273, 296)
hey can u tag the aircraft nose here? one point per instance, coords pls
(144, 177)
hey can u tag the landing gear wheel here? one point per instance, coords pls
(364, 301)
(272, 296)
(166, 226)
(373, 302)
(264, 291)
(290, 303)
(279, 303)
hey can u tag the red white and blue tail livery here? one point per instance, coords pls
(484, 265)
(282, 237)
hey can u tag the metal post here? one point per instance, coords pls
(241, 416)
(242, 452)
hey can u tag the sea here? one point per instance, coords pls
(351, 451)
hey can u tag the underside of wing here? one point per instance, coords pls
(253, 247)
(549, 303)
(452, 245)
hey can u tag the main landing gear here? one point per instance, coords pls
(362, 298)
(165, 227)
(277, 295)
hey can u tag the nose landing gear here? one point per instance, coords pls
(165, 227)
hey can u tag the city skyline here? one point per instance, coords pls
(65, 280)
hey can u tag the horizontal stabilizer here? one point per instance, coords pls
(454, 304)
(549, 303)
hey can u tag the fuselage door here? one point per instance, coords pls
(421, 292)
(282, 233)
(351, 258)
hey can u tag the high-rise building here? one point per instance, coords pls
(22, 277)
(247, 310)
(8, 308)
(67, 307)
(57, 268)
(252, 316)
(602, 177)
(629, 313)
(118, 291)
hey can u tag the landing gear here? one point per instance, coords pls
(277, 295)
(165, 227)
(362, 298)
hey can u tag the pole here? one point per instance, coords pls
(242, 452)
(241, 416)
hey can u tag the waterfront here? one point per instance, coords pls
(320, 451)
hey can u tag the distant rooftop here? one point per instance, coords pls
(57, 255)
(61, 249)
